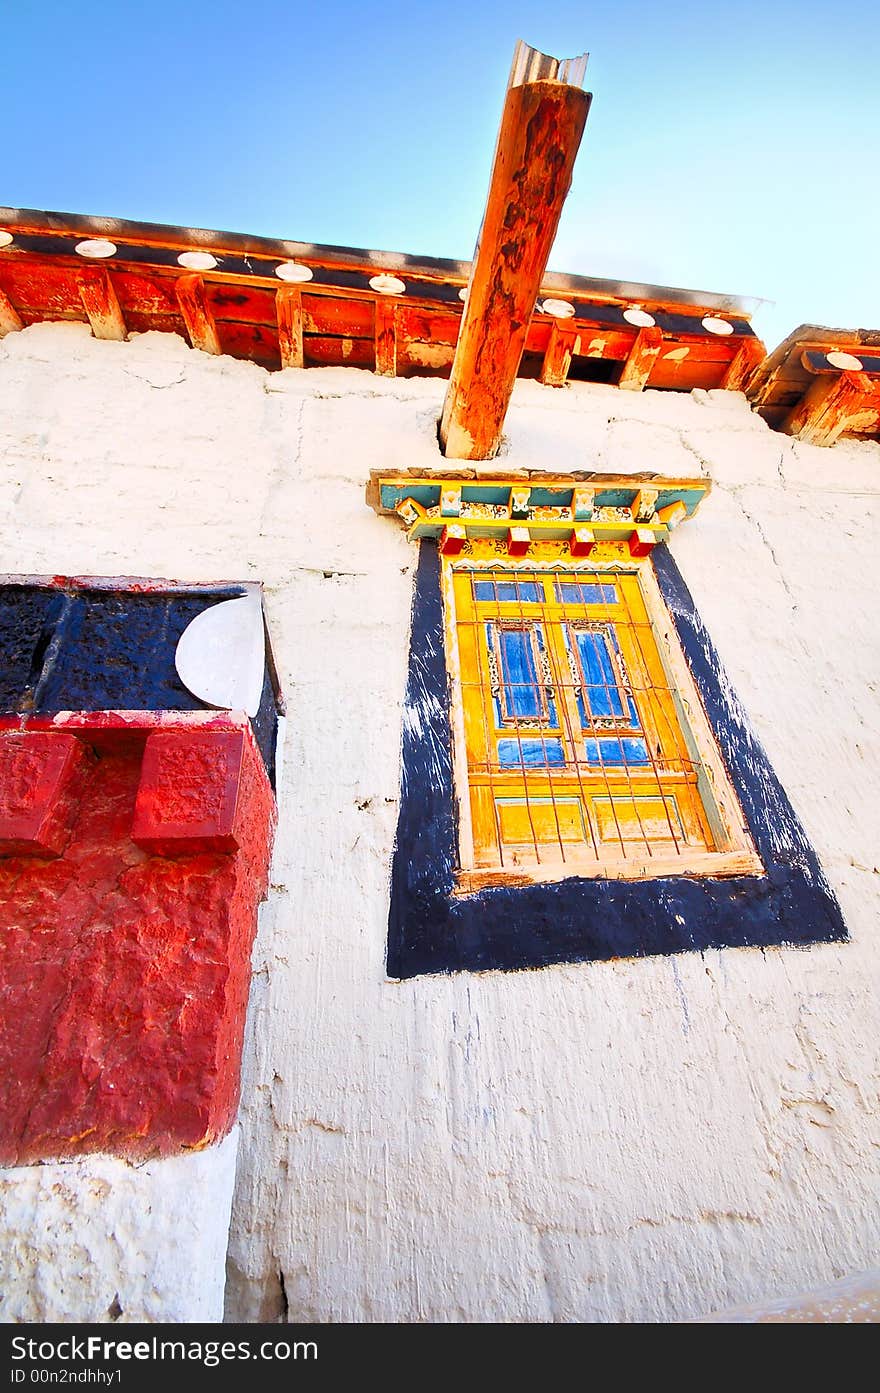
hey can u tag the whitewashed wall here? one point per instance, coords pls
(631, 1141)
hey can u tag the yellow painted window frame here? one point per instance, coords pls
(733, 852)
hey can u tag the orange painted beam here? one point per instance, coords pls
(750, 353)
(642, 357)
(9, 317)
(289, 314)
(832, 406)
(101, 305)
(197, 316)
(541, 127)
(386, 338)
(558, 355)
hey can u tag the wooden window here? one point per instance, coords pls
(581, 745)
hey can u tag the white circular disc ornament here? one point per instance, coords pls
(847, 362)
(5, 237)
(96, 248)
(221, 654)
(387, 285)
(197, 261)
(640, 318)
(293, 271)
(560, 309)
(717, 326)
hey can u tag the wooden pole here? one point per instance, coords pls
(541, 127)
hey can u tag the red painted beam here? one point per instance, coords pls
(289, 314)
(10, 320)
(192, 300)
(101, 304)
(541, 128)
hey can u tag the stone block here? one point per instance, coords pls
(188, 797)
(40, 780)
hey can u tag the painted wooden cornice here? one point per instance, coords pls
(287, 304)
(582, 510)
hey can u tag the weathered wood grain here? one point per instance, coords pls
(743, 363)
(386, 338)
(289, 312)
(833, 406)
(561, 346)
(197, 316)
(541, 129)
(642, 357)
(10, 321)
(101, 305)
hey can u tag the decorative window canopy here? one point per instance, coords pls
(635, 512)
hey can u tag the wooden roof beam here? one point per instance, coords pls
(289, 314)
(743, 364)
(101, 305)
(544, 115)
(642, 357)
(561, 347)
(196, 311)
(386, 338)
(10, 321)
(833, 406)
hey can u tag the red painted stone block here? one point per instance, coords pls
(124, 975)
(188, 799)
(41, 775)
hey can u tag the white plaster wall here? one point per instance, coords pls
(627, 1141)
(100, 1240)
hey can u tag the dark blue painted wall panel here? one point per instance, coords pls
(106, 650)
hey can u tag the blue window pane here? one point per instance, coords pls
(616, 752)
(531, 753)
(604, 697)
(522, 694)
(525, 592)
(569, 592)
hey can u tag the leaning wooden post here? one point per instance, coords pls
(541, 127)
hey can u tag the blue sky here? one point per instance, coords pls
(731, 148)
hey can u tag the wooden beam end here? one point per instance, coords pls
(193, 301)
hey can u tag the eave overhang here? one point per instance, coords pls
(821, 384)
(334, 315)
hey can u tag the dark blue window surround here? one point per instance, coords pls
(430, 929)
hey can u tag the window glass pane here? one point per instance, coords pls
(616, 752)
(603, 694)
(570, 592)
(518, 675)
(524, 592)
(531, 753)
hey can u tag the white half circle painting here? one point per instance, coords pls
(220, 656)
